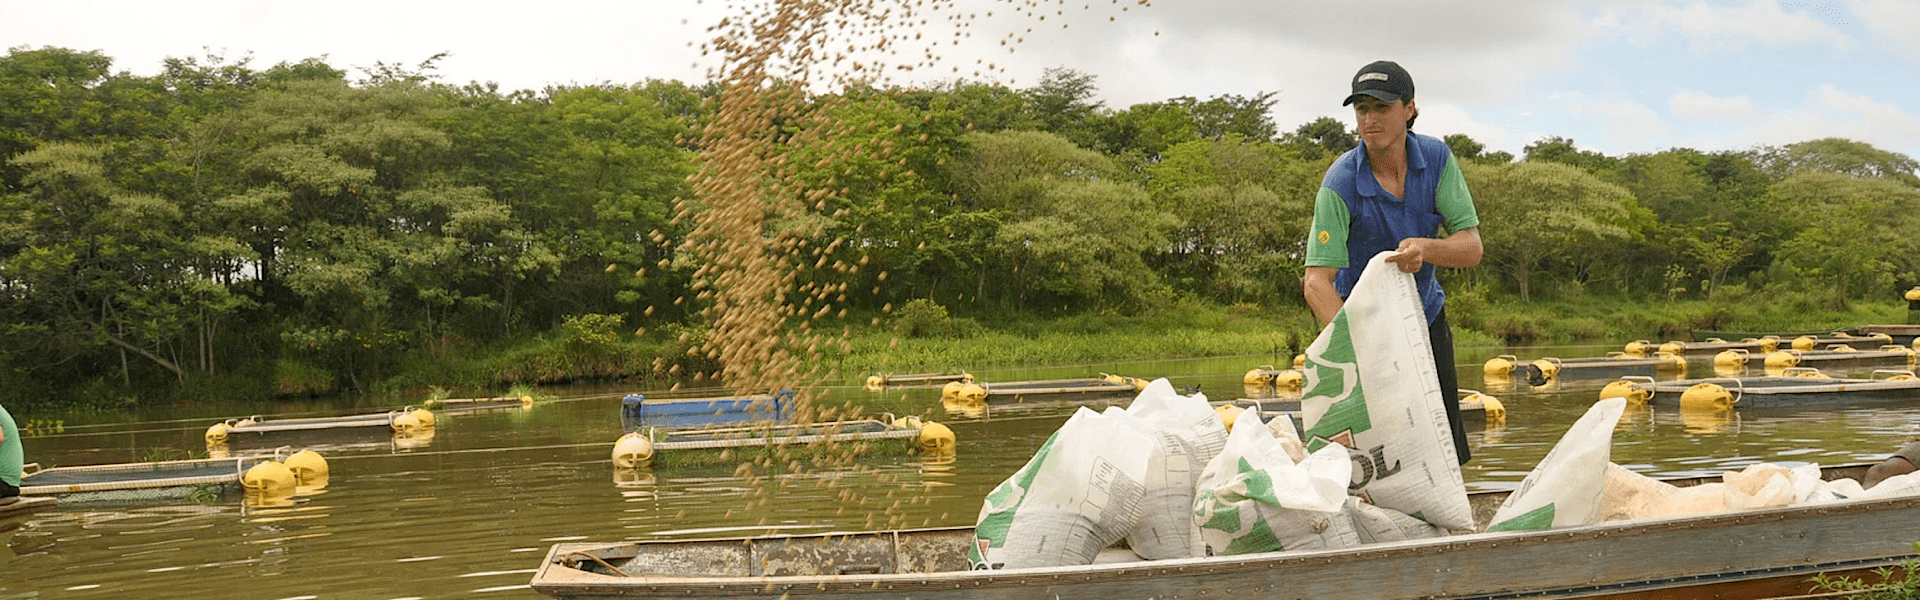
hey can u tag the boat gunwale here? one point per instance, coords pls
(240, 464)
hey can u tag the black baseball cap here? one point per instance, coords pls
(1383, 79)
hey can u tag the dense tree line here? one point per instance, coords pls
(218, 224)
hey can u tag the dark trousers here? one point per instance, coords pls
(1442, 338)
(7, 490)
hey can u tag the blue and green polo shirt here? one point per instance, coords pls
(1354, 217)
(12, 454)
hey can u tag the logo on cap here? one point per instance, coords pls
(1371, 77)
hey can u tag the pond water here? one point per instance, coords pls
(470, 512)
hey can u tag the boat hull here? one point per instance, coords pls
(1680, 557)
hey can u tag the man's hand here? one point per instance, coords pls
(1411, 255)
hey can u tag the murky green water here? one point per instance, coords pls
(470, 512)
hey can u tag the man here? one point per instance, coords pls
(11, 455)
(1900, 463)
(1397, 191)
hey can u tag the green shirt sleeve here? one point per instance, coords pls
(1327, 241)
(1452, 200)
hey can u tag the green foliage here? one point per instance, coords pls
(226, 230)
(1892, 583)
(920, 318)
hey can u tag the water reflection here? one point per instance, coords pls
(1700, 420)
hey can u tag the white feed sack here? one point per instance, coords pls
(1564, 490)
(1188, 434)
(1370, 386)
(1253, 498)
(1629, 495)
(1188, 416)
(1080, 493)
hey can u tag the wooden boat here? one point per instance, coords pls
(638, 411)
(1797, 388)
(478, 404)
(1056, 389)
(1701, 335)
(922, 378)
(1902, 334)
(1841, 357)
(260, 425)
(675, 446)
(1747, 554)
(139, 482)
(1470, 408)
(1612, 366)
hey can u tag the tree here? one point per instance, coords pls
(1074, 235)
(1535, 212)
(1837, 155)
(1854, 233)
(1322, 137)
(1561, 150)
(1064, 103)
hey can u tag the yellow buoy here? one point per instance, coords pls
(307, 465)
(1638, 348)
(632, 450)
(1782, 359)
(217, 433)
(1492, 408)
(424, 416)
(405, 424)
(1841, 348)
(875, 382)
(1289, 380)
(1549, 369)
(1671, 362)
(1882, 337)
(972, 392)
(1498, 366)
(1913, 295)
(1258, 376)
(1139, 384)
(1228, 413)
(526, 400)
(1707, 396)
(1674, 347)
(936, 439)
(269, 478)
(951, 390)
(1767, 344)
(1626, 389)
(1299, 361)
(1113, 379)
(1804, 343)
(1730, 358)
(966, 377)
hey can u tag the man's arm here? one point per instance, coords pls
(1321, 297)
(1462, 249)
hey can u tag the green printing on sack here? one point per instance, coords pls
(994, 527)
(1259, 539)
(1257, 483)
(1334, 369)
(1226, 517)
(1536, 519)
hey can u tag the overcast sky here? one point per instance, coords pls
(1617, 76)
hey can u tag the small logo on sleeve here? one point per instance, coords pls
(1325, 237)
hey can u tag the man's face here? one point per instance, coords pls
(1381, 124)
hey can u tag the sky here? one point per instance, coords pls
(1617, 77)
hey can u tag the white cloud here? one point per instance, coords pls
(1626, 125)
(1710, 29)
(1892, 23)
(1442, 119)
(1689, 104)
